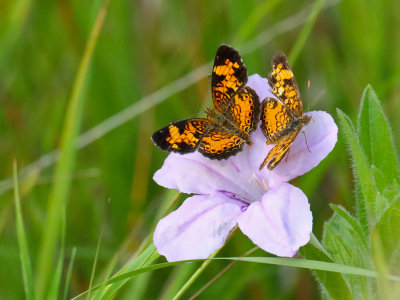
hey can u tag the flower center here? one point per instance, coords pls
(258, 181)
(233, 196)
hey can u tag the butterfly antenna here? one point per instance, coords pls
(208, 90)
(308, 95)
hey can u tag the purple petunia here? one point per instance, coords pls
(274, 214)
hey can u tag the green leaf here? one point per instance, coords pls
(362, 173)
(391, 192)
(376, 137)
(388, 228)
(345, 241)
(333, 284)
(22, 242)
(380, 178)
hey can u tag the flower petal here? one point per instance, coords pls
(196, 174)
(197, 228)
(281, 223)
(260, 86)
(320, 136)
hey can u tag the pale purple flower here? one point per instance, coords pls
(275, 215)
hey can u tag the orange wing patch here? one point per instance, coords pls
(244, 110)
(283, 83)
(275, 119)
(219, 144)
(281, 120)
(228, 76)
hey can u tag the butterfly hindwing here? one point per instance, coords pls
(245, 110)
(276, 119)
(220, 144)
(278, 152)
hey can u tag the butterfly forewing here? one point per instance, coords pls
(283, 83)
(244, 110)
(228, 77)
(181, 136)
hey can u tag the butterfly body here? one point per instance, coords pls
(228, 126)
(283, 119)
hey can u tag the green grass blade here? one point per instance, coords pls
(176, 280)
(96, 255)
(59, 192)
(56, 279)
(195, 275)
(149, 255)
(253, 19)
(306, 31)
(22, 242)
(69, 273)
(280, 261)
(12, 28)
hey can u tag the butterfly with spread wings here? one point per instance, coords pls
(281, 120)
(228, 126)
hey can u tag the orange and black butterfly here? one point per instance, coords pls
(281, 120)
(228, 126)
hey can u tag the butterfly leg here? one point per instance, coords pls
(287, 155)
(305, 137)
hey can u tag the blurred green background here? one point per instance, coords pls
(142, 48)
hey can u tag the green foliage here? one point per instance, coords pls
(371, 242)
(365, 184)
(376, 140)
(334, 284)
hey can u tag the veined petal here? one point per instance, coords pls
(197, 228)
(320, 135)
(195, 174)
(281, 223)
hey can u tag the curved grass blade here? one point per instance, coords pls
(149, 255)
(69, 273)
(22, 242)
(280, 261)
